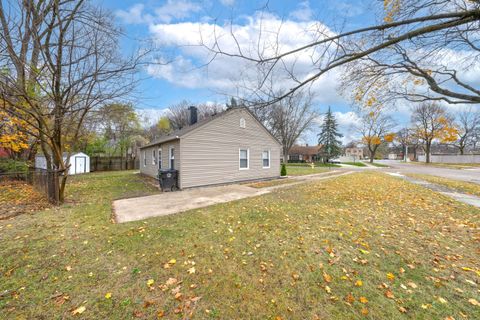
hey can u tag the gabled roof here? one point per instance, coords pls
(177, 134)
(305, 150)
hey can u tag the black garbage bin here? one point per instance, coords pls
(168, 179)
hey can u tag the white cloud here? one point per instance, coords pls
(170, 11)
(176, 9)
(303, 13)
(227, 75)
(134, 15)
(227, 3)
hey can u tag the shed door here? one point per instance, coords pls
(80, 164)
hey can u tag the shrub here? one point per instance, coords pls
(10, 166)
(283, 172)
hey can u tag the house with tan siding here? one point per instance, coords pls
(232, 146)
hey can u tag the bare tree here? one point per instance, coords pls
(467, 123)
(375, 130)
(432, 122)
(288, 119)
(410, 32)
(408, 140)
(179, 115)
(60, 62)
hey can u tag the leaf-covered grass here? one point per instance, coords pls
(361, 246)
(18, 197)
(300, 171)
(357, 164)
(460, 186)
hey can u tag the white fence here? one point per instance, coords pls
(452, 158)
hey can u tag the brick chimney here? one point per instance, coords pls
(193, 115)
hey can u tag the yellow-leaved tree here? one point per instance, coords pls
(431, 122)
(12, 134)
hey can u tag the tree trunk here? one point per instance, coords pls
(285, 157)
(61, 189)
(427, 152)
(372, 154)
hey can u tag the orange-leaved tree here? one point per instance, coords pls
(431, 122)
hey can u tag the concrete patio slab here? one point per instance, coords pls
(172, 202)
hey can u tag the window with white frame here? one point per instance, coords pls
(172, 158)
(242, 123)
(266, 158)
(154, 156)
(144, 158)
(160, 158)
(243, 159)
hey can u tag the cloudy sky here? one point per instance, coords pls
(177, 29)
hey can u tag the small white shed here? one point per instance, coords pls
(79, 162)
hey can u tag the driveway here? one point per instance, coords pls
(166, 203)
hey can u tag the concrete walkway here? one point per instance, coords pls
(461, 197)
(166, 203)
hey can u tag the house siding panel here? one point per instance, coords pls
(152, 169)
(210, 154)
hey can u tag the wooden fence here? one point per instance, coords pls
(113, 163)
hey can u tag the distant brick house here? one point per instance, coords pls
(304, 153)
(354, 152)
(3, 153)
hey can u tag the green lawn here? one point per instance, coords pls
(317, 164)
(380, 165)
(303, 170)
(357, 164)
(346, 248)
(271, 183)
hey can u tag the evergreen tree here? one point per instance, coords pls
(233, 103)
(329, 137)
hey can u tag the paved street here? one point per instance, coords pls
(470, 175)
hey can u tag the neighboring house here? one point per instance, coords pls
(79, 162)
(304, 153)
(231, 146)
(3, 153)
(356, 153)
